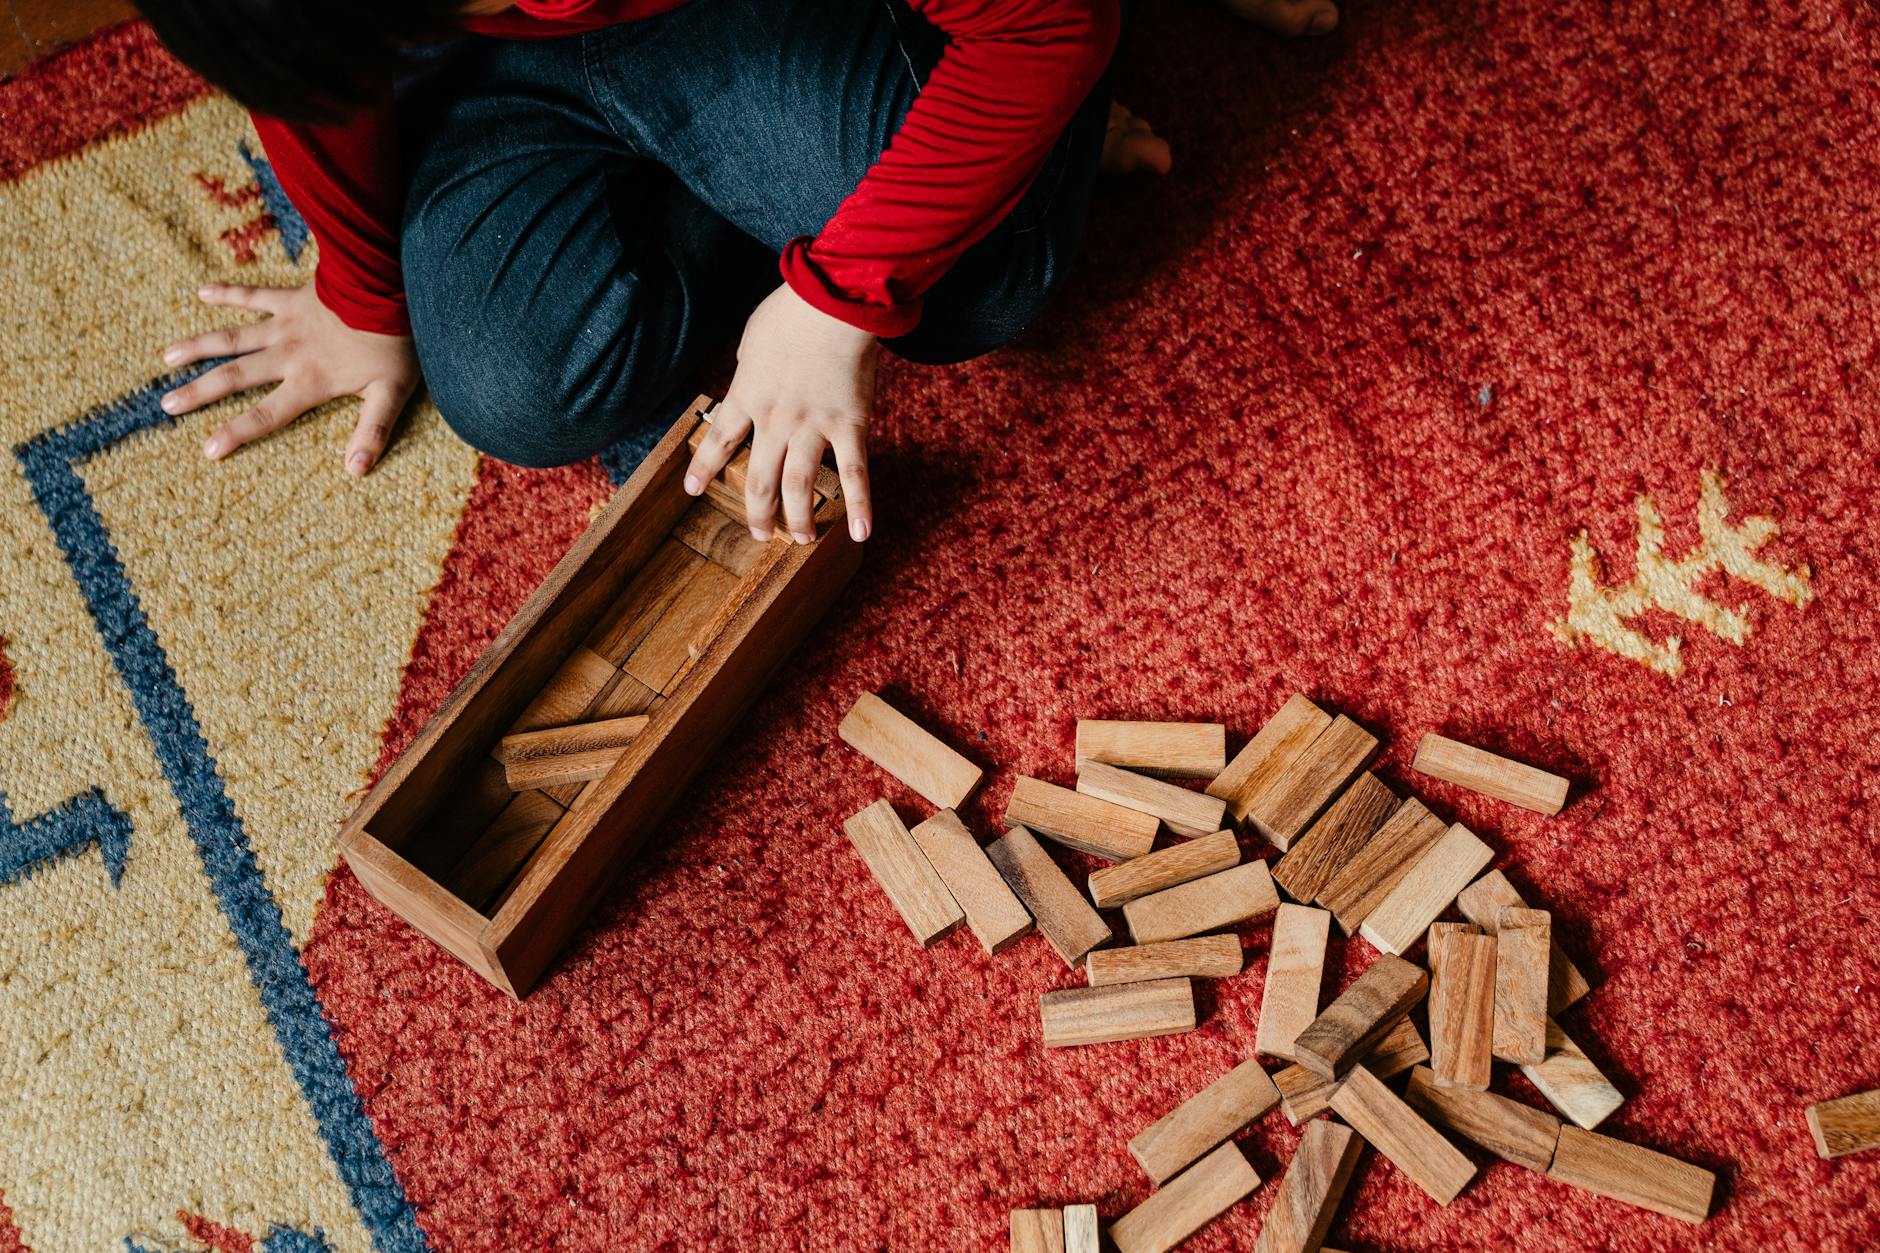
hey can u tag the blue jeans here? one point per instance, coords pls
(587, 217)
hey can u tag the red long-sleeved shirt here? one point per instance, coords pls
(1006, 85)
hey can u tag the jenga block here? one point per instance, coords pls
(1399, 1133)
(584, 737)
(642, 602)
(1295, 970)
(709, 533)
(904, 874)
(992, 911)
(1163, 869)
(1638, 1176)
(658, 657)
(1038, 1231)
(729, 607)
(893, 741)
(567, 693)
(1128, 1011)
(1510, 1130)
(504, 846)
(1181, 811)
(1521, 946)
(462, 814)
(1081, 822)
(1204, 957)
(1484, 772)
(555, 772)
(1362, 883)
(623, 697)
(1300, 792)
(1304, 1095)
(1570, 1081)
(1081, 1231)
(1166, 1146)
(1402, 917)
(1462, 1005)
(1188, 1203)
(1169, 750)
(1220, 900)
(1274, 748)
(1482, 902)
(1846, 1125)
(1335, 838)
(1310, 1192)
(1063, 915)
(1351, 1026)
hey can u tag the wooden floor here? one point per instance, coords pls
(30, 29)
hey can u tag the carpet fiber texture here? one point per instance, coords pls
(1441, 381)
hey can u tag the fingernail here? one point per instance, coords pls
(858, 529)
(173, 356)
(356, 464)
(171, 404)
(1323, 22)
(692, 486)
(805, 537)
(212, 448)
(202, 293)
(761, 534)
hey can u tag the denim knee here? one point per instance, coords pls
(958, 325)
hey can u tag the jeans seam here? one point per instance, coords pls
(900, 45)
(593, 91)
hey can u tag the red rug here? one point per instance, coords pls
(1321, 412)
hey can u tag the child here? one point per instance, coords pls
(563, 204)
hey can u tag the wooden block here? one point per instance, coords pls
(1400, 1133)
(1181, 811)
(1482, 902)
(1571, 1083)
(903, 872)
(1362, 883)
(1037, 1231)
(1522, 942)
(1220, 900)
(1188, 1203)
(558, 772)
(1274, 748)
(1295, 970)
(1166, 1146)
(1164, 869)
(1484, 772)
(568, 693)
(893, 741)
(1128, 1011)
(1204, 957)
(1335, 838)
(992, 911)
(656, 660)
(1169, 750)
(1300, 792)
(1063, 915)
(642, 601)
(735, 604)
(1314, 1184)
(462, 815)
(1351, 1026)
(1402, 917)
(1638, 1176)
(1081, 1230)
(1846, 1125)
(623, 697)
(1304, 1095)
(501, 850)
(1081, 822)
(707, 531)
(1510, 1130)
(582, 737)
(1462, 1005)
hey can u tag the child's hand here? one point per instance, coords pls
(314, 357)
(805, 381)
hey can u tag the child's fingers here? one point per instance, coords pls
(233, 342)
(728, 429)
(228, 295)
(254, 370)
(378, 413)
(276, 410)
(799, 483)
(761, 477)
(851, 444)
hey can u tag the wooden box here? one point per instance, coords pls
(502, 880)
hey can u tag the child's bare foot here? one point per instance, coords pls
(1130, 145)
(1288, 17)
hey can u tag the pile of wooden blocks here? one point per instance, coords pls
(1354, 856)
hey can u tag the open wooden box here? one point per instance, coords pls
(666, 607)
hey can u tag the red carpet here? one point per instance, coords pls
(1321, 413)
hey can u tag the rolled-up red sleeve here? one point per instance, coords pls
(1004, 89)
(344, 180)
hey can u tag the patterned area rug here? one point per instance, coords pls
(1445, 381)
